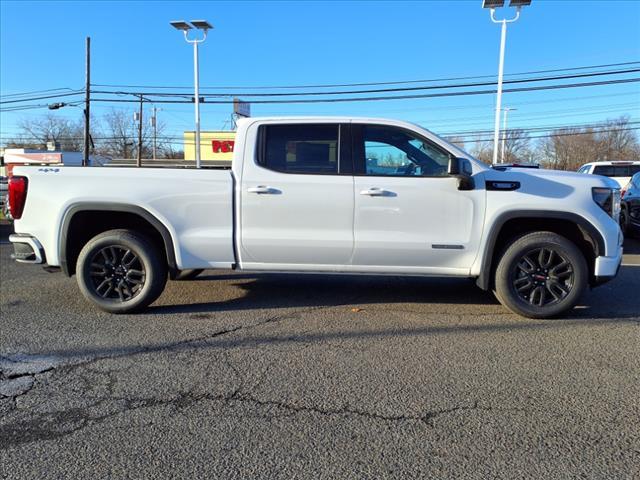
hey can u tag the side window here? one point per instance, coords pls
(301, 148)
(584, 169)
(391, 151)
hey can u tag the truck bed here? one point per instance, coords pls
(194, 205)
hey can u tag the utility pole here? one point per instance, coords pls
(139, 162)
(87, 103)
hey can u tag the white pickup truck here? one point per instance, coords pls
(332, 195)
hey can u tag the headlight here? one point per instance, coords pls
(608, 199)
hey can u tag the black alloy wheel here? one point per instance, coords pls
(542, 277)
(121, 271)
(117, 273)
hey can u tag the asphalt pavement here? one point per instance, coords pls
(236, 375)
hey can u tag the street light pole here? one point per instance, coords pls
(506, 111)
(154, 123)
(87, 103)
(196, 82)
(204, 26)
(503, 39)
(139, 159)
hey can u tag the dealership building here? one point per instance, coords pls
(214, 145)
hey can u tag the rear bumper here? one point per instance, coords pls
(26, 249)
(606, 268)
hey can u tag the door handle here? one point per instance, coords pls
(374, 192)
(262, 189)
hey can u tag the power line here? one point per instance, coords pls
(32, 92)
(362, 84)
(393, 97)
(343, 92)
(551, 135)
(80, 92)
(382, 90)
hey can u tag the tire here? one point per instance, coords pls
(541, 275)
(188, 274)
(624, 221)
(121, 271)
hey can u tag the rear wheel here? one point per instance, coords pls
(541, 275)
(121, 271)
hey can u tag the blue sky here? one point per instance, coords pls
(285, 43)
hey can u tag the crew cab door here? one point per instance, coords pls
(410, 215)
(296, 209)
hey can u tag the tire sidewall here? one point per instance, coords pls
(624, 221)
(155, 272)
(506, 291)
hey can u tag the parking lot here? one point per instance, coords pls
(272, 376)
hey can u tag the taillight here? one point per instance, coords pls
(17, 196)
(622, 192)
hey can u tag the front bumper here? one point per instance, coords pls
(606, 268)
(26, 249)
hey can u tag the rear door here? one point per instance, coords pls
(409, 214)
(297, 198)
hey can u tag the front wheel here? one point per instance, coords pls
(541, 275)
(121, 271)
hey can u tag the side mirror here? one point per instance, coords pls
(458, 167)
(454, 166)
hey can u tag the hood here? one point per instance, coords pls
(560, 176)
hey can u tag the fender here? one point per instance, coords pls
(115, 207)
(483, 280)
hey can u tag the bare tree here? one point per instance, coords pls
(617, 141)
(36, 132)
(517, 148)
(120, 135)
(168, 151)
(483, 151)
(568, 149)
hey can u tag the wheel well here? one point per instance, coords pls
(517, 227)
(86, 224)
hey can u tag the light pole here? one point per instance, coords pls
(185, 27)
(492, 5)
(506, 111)
(154, 124)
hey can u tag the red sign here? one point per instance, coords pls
(222, 146)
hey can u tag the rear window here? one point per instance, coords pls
(616, 170)
(300, 148)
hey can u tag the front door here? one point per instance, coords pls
(409, 214)
(297, 199)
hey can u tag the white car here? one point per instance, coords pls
(336, 195)
(619, 170)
